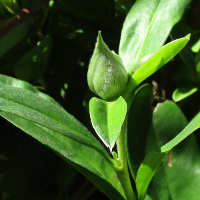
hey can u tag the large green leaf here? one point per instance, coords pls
(147, 27)
(146, 172)
(156, 61)
(22, 99)
(139, 122)
(46, 121)
(25, 85)
(193, 125)
(38, 110)
(107, 118)
(178, 176)
(98, 169)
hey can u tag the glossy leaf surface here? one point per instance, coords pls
(147, 27)
(46, 121)
(178, 176)
(183, 92)
(38, 110)
(193, 125)
(157, 60)
(146, 172)
(98, 169)
(107, 118)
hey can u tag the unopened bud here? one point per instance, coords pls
(107, 76)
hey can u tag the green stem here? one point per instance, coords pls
(122, 169)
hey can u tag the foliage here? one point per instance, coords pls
(133, 138)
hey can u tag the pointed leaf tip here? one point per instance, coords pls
(107, 118)
(188, 36)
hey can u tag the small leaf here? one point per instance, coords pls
(193, 125)
(146, 172)
(183, 92)
(107, 118)
(196, 47)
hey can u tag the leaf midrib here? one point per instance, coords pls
(150, 25)
(89, 141)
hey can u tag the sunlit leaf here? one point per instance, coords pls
(45, 120)
(147, 27)
(107, 118)
(183, 92)
(193, 125)
(92, 164)
(146, 172)
(156, 61)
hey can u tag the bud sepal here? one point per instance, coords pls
(107, 76)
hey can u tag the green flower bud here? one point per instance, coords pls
(107, 76)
